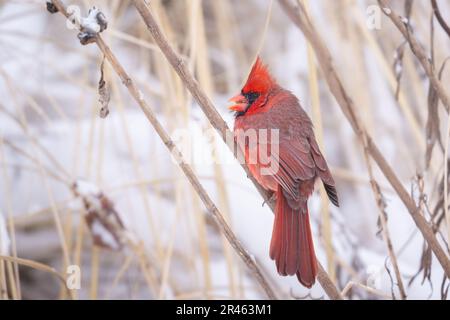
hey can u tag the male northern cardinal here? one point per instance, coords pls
(263, 104)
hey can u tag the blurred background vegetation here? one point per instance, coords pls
(52, 137)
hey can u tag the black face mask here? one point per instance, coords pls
(251, 98)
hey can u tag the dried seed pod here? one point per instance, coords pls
(103, 221)
(91, 26)
(51, 7)
(103, 91)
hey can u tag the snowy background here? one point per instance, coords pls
(51, 135)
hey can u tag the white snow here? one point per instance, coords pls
(386, 10)
(85, 188)
(104, 234)
(4, 237)
(90, 23)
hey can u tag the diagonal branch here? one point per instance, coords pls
(192, 85)
(379, 198)
(187, 170)
(419, 52)
(300, 18)
(213, 116)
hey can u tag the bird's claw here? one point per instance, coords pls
(269, 200)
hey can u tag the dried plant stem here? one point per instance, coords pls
(403, 103)
(13, 285)
(21, 120)
(37, 266)
(187, 170)
(379, 199)
(26, 155)
(137, 168)
(22, 123)
(317, 121)
(185, 167)
(300, 18)
(168, 255)
(139, 250)
(95, 272)
(3, 283)
(370, 290)
(200, 218)
(445, 179)
(203, 67)
(439, 17)
(262, 39)
(192, 85)
(419, 52)
(14, 274)
(200, 62)
(126, 264)
(211, 112)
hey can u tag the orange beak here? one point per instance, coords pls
(240, 105)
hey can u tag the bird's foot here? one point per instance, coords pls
(270, 199)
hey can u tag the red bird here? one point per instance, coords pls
(263, 104)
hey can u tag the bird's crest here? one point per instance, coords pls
(259, 80)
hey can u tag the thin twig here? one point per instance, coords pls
(213, 116)
(37, 266)
(34, 160)
(187, 170)
(379, 198)
(445, 178)
(370, 290)
(192, 85)
(418, 51)
(317, 123)
(439, 17)
(299, 17)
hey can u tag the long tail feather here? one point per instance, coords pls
(292, 245)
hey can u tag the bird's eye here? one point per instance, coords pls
(251, 97)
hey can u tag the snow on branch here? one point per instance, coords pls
(102, 219)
